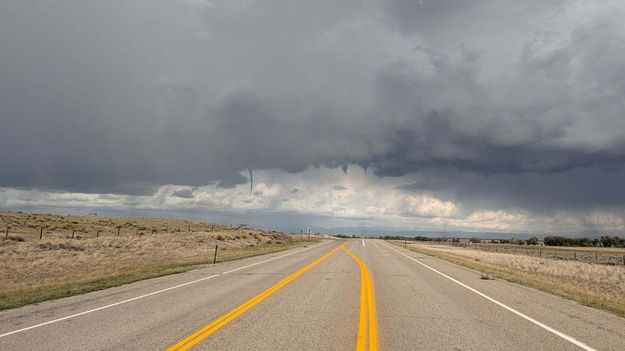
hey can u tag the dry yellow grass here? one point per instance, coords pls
(28, 225)
(596, 285)
(35, 270)
(511, 247)
(605, 255)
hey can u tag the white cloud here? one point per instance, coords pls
(352, 195)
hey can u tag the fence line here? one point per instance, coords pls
(41, 232)
(551, 252)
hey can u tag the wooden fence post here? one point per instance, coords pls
(73, 232)
(40, 233)
(97, 233)
(118, 229)
(6, 235)
(215, 257)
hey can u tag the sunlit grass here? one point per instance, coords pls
(57, 266)
(596, 285)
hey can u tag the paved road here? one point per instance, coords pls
(336, 295)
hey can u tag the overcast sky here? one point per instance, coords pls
(429, 115)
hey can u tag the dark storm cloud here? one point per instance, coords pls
(577, 189)
(231, 182)
(123, 97)
(437, 19)
(424, 16)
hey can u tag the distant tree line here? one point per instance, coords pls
(424, 238)
(396, 237)
(531, 241)
(604, 241)
(345, 236)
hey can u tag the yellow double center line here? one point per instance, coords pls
(367, 307)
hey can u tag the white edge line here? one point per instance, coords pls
(152, 293)
(363, 243)
(520, 314)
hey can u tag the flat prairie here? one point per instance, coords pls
(604, 255)
(596, 285)
(77, 254)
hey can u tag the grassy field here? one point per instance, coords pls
(603, 255)
(596, 285)
(35, 270)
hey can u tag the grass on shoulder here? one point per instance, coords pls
(132, 273)
(594, 285)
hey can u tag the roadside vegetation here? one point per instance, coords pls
(596, 285)
(604, 241)
(78, 254)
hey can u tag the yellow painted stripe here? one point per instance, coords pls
(367, 308)
(215, 325)
(361, 343)
(373, 324)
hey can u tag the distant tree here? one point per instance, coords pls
(605, 241)
(342, 236)
(532, 241)
(612, 241)
(455, 240)
(555, 241)
(475, 240)
(395, 237)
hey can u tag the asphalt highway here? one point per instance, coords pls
(360, 294)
